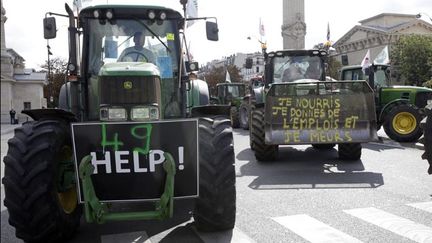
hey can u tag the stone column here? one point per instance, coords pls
(6, 59)
(293, 26)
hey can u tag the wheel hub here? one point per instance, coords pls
(404, 123)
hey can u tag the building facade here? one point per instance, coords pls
(21, 88)
(374, 34)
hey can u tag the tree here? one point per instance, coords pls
(412, 55)
(56, 78)
(217, 75)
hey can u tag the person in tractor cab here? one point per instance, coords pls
(313, 71)
(137, 53)
(292, 73)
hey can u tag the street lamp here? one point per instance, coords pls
(50, 90)
(419, 15)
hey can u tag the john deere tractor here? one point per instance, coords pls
(299, 107)
(125, 131)
(255, 84)
(230, 94)
(398, 108)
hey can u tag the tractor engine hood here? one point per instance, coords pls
(129, 84)
(129, 69)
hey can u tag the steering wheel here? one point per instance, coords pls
(128, 57)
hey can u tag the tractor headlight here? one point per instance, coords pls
(151, 14)
(145, 113)
(113, 114)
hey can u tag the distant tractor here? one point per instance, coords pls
(245, 107)
(230, 94)
(297, 106)
(398, 108)
(426, 125)
(125, 131)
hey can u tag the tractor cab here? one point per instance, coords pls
(229, 93)
(295, 65)
(132, 67)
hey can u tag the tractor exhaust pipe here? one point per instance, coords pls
(73, 56)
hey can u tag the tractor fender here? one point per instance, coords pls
(387, 108)
(257, 95)
(54, 114)
(246, 98)
(199, 93)
(67, 95)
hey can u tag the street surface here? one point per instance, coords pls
(305, 196)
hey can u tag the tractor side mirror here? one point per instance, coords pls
(212, 31)
(50, 29)
(249, 63)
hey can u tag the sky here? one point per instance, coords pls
(237, 19)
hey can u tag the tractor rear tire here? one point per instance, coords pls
(234, 115)
(323, 146)
(402, 123)
(263, 152)
(244, 116)
(38, 208)
(349, 151)
(215, 209)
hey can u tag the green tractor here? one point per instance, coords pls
(111, 139)
(398, 108)
(230, 94)
(245, 107)
(297, 106)
(426, 125)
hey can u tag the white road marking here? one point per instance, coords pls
(313, 230)
(236, 236)
(130, 237)
(425, 206)
(398, 225)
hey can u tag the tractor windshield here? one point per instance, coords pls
(292, 68)
(133, 40)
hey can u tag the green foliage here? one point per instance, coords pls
(428, 84)
(413, 56)
(57, 69)
(218, 74)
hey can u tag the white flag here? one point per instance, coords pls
(383, 57)
(191, 11)
(227, 77)
(366, 61)
(77, 6)
(261, 28)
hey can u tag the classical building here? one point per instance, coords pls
(375, 33)
(21, 88)
(293, 26)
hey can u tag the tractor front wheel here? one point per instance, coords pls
(263, 152)
(403, 123)
(244, 116)
(349, 151)
(39, 183)
(215, 208)
(235, 123)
